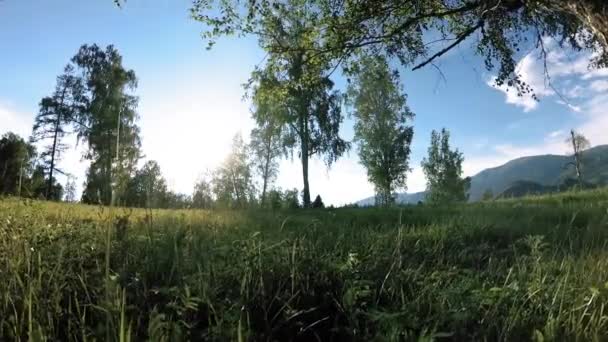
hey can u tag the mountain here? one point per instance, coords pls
(402, 198)
(544, 170)
(524, 188)
(525, 175)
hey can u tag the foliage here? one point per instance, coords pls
(278, 199)
(57, 112)
(500, 270)
(295, 90)
(37, 186)
(148, 188)
(291, 199)
(108, 119)
(274, 199)
(579, 143)
(70, 190)
(318, 203)
(232, 182)
(266, 146)
(202, 197)
(419, 32)
(488, 195)
(443, 170)
(16, 159)
(173, 200)
(381, 129)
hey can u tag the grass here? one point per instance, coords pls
(528, 269)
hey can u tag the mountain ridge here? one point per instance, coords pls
(547, 170)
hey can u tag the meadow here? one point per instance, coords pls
(526, 269)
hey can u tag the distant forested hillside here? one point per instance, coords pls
(544, 170)
(529, 175)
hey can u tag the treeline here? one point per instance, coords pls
(233, 184)
(94, 100)
(296, 109)
(20, 172)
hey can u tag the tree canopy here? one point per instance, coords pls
(418, 32)
(57, 114)
(108, 122)
(148, 188)
(381, 127)
(232, 182)
(443, 170)
(267, 144)
(16, 159)
(296, 89)
(20, 172)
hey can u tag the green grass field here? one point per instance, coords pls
(531, 269)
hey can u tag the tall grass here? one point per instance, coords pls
(532, 269)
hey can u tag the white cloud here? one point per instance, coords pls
(530, 72)
(585, 94)
(599, 86)
(556, 134)
(565, 72)
(593, 123)
(595, 73)
(574, 92)
(15, 121)
(574, 108)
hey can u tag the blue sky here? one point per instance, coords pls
(191, 99)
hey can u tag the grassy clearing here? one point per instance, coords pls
(532, 269)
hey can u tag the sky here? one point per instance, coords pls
(191, 99)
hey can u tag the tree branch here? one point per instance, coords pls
(443, 51)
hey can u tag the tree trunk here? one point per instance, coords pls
(264, 184)
(305, 152)
(266, 169)
(306, 191)
(304, 155)
(49, 186)
(577, 164)
(114, 173)
(3, 178)
(20, 177)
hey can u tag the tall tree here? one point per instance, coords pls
(318, 202)
(16, 163)
(418, 32)
(202, 196)
(36, 186)
(381, 127)
(290, 199)
(57, 112)
(232, 181)
(109, 122)
(148, 188)
(305, 104)
(266, 146)
(443, 170)
(579, 143)
(70, 189)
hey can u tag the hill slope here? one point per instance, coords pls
(402, 198)
(545, 170)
